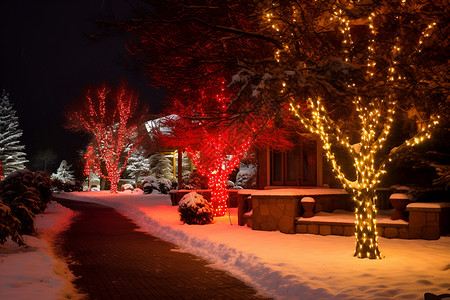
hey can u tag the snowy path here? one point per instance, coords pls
(299, 266)
(112, 260)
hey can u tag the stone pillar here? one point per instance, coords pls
(428, 220)
(275, 212)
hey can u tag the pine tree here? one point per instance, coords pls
(64, 173)
(160, 166)
(138, 165)
(11, 151)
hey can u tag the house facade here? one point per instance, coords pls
(302, 166)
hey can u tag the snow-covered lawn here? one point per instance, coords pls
(299, 266)
(33, 271)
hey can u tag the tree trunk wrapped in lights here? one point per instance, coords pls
(376, 121)
(215, 144)
(219, 155)
(215, 147)
(111, 117)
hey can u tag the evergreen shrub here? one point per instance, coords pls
(25, 194)
(194, 209)
(9, 225)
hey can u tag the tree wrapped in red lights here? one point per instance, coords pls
(214, 161)
(215, 144)
(111, 117)
(89, 161)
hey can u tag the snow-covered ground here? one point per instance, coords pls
(33, 271)
(299, 266)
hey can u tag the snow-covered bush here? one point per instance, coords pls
(150, 183)
(138, 191)
(194, 209)
(64, 173)
(127, 187)
(164, 185)
(246, 177)
(63, 179)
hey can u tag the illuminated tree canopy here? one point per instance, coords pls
(184, 46)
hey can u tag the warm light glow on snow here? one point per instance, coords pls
(293, 266)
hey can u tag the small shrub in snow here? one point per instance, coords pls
(148, 188)
(164, 185)
(127, 186)
(246, 177)
(150, 184)
(64, 173)
(194, 209)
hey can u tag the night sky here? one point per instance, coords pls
(46, 61)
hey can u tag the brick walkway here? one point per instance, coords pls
(112, 260)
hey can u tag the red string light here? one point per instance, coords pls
(215, 162)
(107, 117)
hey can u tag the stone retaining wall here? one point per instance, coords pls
(348, 229)
(282, 212)
(427, 221)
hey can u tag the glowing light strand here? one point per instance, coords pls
(363, 189)
(110, 129)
